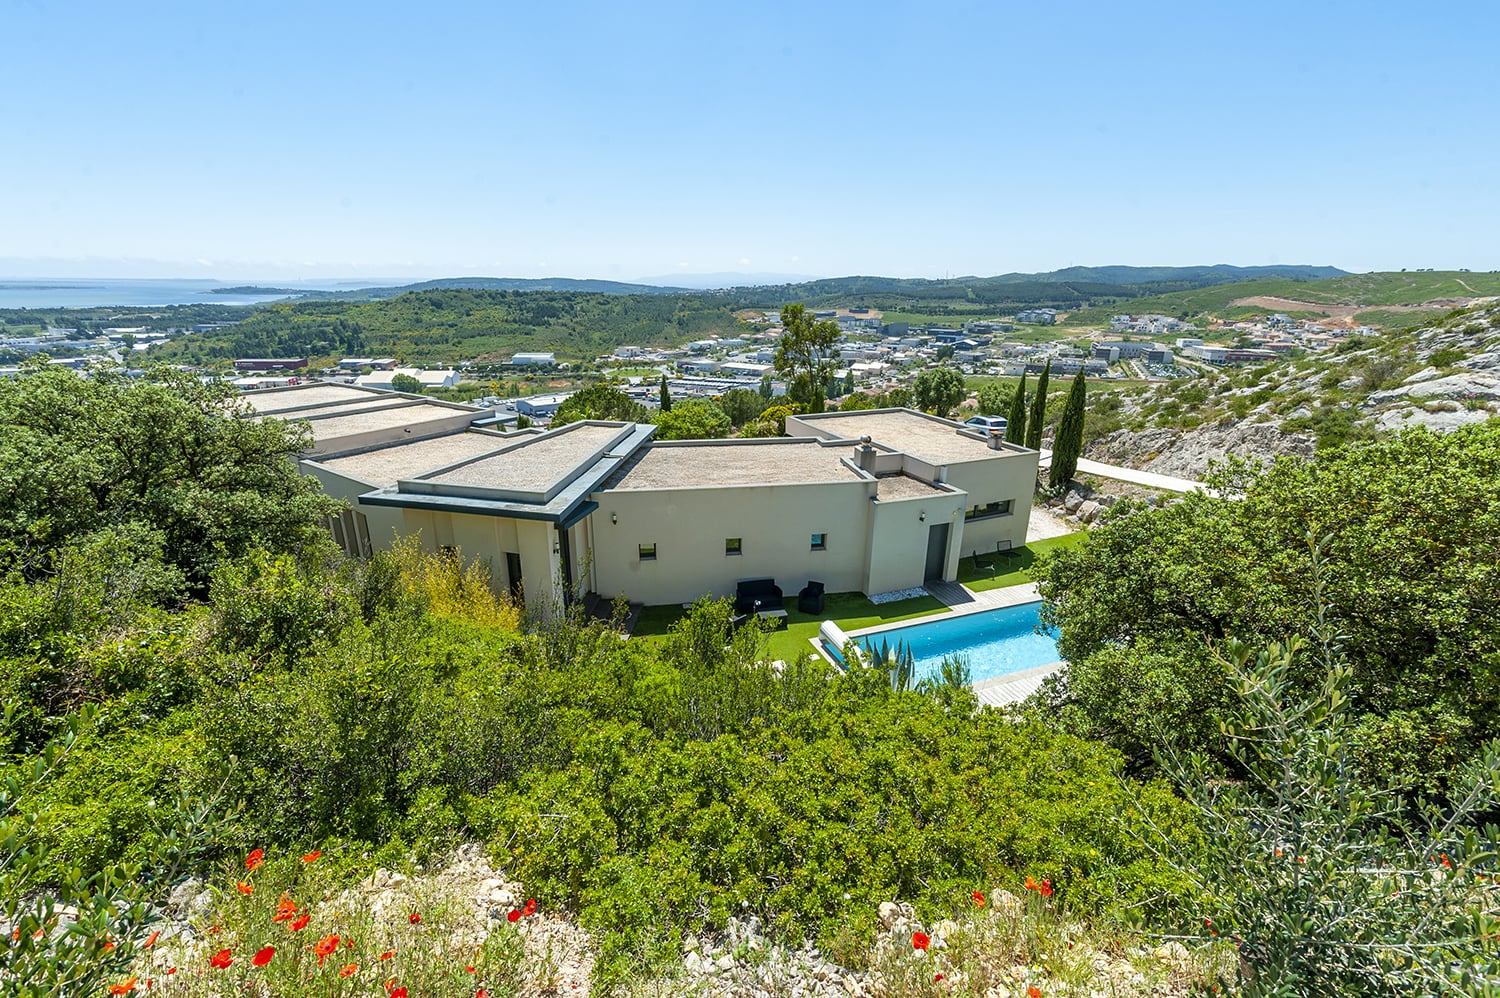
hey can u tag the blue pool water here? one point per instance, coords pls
(995, 642)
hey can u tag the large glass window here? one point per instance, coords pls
(998, 508)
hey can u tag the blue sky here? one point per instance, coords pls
(620, 141)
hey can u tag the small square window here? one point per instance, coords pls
(820, 542)
(732, 546)
(648, 552)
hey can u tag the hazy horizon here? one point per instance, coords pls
(887, 138)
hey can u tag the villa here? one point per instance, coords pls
(870, 501)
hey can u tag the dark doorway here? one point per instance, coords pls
(513, 571)
(937, 551)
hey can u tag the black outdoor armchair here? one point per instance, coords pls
(810, 599)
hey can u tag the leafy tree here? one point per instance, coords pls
(856, 401)
(848, 386)
(1067, 443)
(1411, 572)
(694, 419)
(406, 383)
(599, 401)
(938, 391)
(741, 405)
(995, 398)
(766, 388)
(1038, 418)
(1323, 878)
(896, 398)
(666, 396)
(1015, 422)
(807, 356)
(166, 456)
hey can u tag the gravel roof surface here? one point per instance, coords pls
(922, 438)
(377, 419)
(905, 487)
(735, 464)
(276, 401)
(388, 465)
(537, 464)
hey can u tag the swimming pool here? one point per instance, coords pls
(995, 642)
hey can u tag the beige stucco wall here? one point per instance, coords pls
(1010, 477)
(384, 522)
(689, 527)
(489, 538)
(898, 541)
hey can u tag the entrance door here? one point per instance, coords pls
(513, 572)
(937, 551)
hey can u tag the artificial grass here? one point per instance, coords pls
(1015, 570)
(850, 611)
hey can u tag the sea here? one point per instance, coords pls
(39, 292)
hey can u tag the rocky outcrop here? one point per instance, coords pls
(1188, 454)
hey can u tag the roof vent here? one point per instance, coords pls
(997, 440)
(864, 455)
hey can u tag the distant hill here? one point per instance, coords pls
(1220, 273)
(468, 284)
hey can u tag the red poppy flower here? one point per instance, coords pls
(124, 987)
(286, 910)
(325, 946)
(936, 978)
(171, 971)
(1046, 889)
(150, 940)
(109, 944)
(255, 860)
(349, 970)
(414, 918)
(263, 957)
(1033, 992)
(300, 923)
(398, 993)
(530, 908)
(469, 967)
(481, 993)
(312, 857)
(388, 954)
(1032, 885)
(920, 940)
(513, 916)
(978, 897)
(243, 887)
(221, 959)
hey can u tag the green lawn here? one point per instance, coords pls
(850, 611)
(1012, 571)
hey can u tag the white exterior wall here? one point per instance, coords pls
(689, 527)
(1010, 477)
(898, 541)
(489, 538)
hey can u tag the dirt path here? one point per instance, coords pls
(1339, 316)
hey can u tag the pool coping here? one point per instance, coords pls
(997, 691)
(994, 599)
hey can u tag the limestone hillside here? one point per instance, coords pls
(1442, 376)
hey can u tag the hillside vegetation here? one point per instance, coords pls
(1367, 291)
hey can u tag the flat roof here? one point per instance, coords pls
(778, 462)
(367, 420)
(926, 438)
(279, 400)
(905, 487)
(388, 465)
(536, 463)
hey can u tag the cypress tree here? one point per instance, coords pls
(1068, 444)
(666, 396)
(1015, 423)
(1038, 417)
